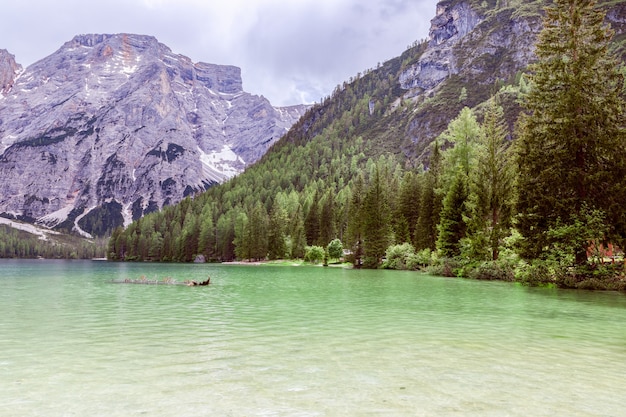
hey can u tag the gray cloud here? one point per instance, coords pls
(289, 51)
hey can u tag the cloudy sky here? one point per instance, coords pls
(290, 51)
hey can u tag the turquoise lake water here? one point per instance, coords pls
(301, 341)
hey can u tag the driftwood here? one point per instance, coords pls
(166, 281)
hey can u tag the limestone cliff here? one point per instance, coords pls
(111, 127)
(474, 47)
(9, 69)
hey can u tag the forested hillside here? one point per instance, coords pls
(352, 170)
(16, 243)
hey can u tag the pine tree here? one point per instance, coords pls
(327, 219)
(491, 187)
(298, 237)
(257, 232)
(452, 226)
(242, 234)
(376, 222)
(430, 204)
(571, 151)
(225, 236)
(354, 230)
(206, 237)
(408, 207)
(312, 221)
(277, 249)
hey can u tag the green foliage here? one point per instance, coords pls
(15, 243)
(377, 218)
(462, 136)
(493, 270)
(565, 239)
(314, 254)
(491, 188)
(572, 148)
(609, 277)
(452, 226)
(398, 256)
(425, 235)
(335, 249)
(537, 273)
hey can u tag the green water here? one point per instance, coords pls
(301, 341)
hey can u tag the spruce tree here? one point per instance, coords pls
(206, 237)
(327, 229)
(277, 248)
(408, 207)
(354, 230)
(257, 232)
(425, 236)
(376, 222)
(242, 236)
(452, 226)
(491, 188)
(298, 236)
(571, 151)
(312, 221)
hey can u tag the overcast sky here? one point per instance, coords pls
(290, 51)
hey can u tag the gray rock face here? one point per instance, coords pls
(476, 46)
(111, 127)
(8, 71)
(451, 24)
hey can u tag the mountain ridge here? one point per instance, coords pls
(120, 126)
(304, 189)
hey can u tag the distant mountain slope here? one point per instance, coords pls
(474, 48)
(383, 120)
(111, 127)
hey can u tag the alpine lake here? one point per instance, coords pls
(301, 341)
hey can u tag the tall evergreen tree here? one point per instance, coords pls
(225, 236)
(354, 230)
(206, 237)
(376, 221)
(491, 187)
(257, 232)
(297, 234)
(452, 225)
(571, 150)
(328, 230)
(242, 236)
(430, 204)
(408, 207)
(277, 248)
(312, 221)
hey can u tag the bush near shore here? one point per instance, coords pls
(592, 276)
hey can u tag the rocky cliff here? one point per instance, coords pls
(474, 48)
(111, 127)
(9, 69)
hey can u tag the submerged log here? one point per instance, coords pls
(166, 281)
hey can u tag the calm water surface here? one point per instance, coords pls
(301, 341)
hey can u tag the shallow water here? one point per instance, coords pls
(301, 341)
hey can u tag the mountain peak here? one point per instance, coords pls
(94, 39)
(121, 126)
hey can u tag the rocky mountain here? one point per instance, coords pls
(9, 69)
(111, 127)
(324, 177)
(474, 49)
